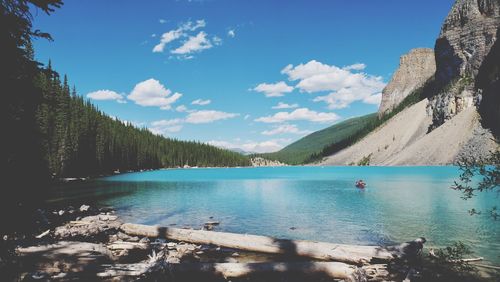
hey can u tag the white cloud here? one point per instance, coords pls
(277, 89)
(166, 38)
(217, 40)
(194, 44)
(231, 33)
(167, 122)
(193, 26)
(153, 35)
(282, 105)
(300, 114)
(181, 109)
(246, 117)
(183, 57)
(285, 129)
(175, 34)
(139, 124)
(345, 86)
(368, 92)
(208, 116)
(162, 21)
(311, 69)
(357, 67)
(165, 130)
(166, 126)
(252, 146)
(152, 93)
(175, 128)
(106, 95)
(201, 102)
(373, 99)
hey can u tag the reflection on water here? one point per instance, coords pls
(312, 203)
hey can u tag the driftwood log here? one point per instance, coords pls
(121, 245)
(351, 254)
(433, 254)
(334, 270)
(155, 263)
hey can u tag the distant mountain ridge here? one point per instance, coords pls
(303, 149)
(241, 151)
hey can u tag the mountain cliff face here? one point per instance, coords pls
(488, 85)
(466, 38)
(460, 115)
(415, 68)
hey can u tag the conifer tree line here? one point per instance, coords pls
(79, 140)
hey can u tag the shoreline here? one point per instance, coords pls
(91, 177)
(93, 242)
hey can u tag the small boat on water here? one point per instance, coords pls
(360, 184)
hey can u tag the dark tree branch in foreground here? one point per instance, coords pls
(479, 175)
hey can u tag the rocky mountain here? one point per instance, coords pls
(405, 140)
(459, 111)
(467, 36)
(488, 85)
(415, 68)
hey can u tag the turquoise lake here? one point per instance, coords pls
(313, 203)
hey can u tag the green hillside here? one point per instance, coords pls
(300, 151)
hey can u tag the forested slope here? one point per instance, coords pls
(79, 140)
(305, 148)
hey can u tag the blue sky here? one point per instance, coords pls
(254, 74)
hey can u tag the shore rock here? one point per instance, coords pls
(84, 208)
(88, 228)
(258, 161)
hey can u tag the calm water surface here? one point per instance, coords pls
(399, 204)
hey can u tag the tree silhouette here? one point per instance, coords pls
(21, 150)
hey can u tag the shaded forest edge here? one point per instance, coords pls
(51, 132)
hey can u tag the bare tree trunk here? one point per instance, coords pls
(318, 250)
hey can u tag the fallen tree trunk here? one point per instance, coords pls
(433, 254)
(334, 270)
(318, 250)
(121, 245)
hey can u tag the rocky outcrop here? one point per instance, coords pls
(415, 68)
(466, 38)
(258, 161)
